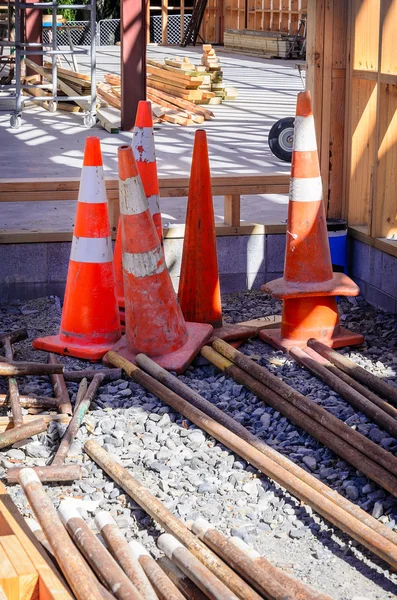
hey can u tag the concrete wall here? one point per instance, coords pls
(33, 270)
(245, 262)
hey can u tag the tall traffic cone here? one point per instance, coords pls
(90, 321)
(309, 286)
(145, 157)
(153, 318)
(199, 290)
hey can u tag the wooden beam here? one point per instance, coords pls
(182, 19)
(164, 22)
(232, 210)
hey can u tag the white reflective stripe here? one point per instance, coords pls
(91, 250)
(154, 204)
(132, 196)
(92, 186)
(143, 144)
(144, 264)
(308, 189)
(304, 134)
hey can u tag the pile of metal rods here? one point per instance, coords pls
(326, 502)
(206, 565)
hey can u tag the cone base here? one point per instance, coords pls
(339, 285)
(268, 322)
(234, 332)
(343, 338)
(178, 361)
(53, 343)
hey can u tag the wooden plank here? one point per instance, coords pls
(74, 74)
(9, 580)
(175, 91)
(366, 17)
(27, 574)
(51, 584)
(232, 210)
(315, 60)
(360, 234)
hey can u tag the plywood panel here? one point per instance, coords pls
(388, 45)
(366, 15)
(362, 133)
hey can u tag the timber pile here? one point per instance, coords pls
(214, 76)
(266, 44)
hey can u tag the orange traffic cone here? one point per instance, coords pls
(309, 286)
(154, 321)
(199, 290)
(90, 321)
(145, 157)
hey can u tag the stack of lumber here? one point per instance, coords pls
(266, 44)
(214, 74)
(175, 81)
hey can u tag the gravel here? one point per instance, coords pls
(193, 475)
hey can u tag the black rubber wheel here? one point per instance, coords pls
(281, 138)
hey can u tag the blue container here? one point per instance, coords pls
(337, 235)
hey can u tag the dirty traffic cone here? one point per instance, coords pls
(145, 157)
(309, 286)
(90, 323)
(153, 318)
(199, 290)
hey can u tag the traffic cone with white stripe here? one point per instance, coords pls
(145, 157)
(309, 286)
(153, 319)
(90, 323)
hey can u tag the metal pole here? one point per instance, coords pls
(159, 580)
(58, 382)
(122, 553)
(54, 58)
(32, 402)
(354, 370)
(176, 385)
(11, 436)
(167, 520)
(195, 570)
(321, 423)
(105, 567)
(133, 60)
(354, 527)
(270, 581)
(93, 57)
(110, 374)
(179, 579)
(65, 552)
(12, 368)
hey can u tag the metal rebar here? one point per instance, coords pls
(326, 508)
(271, 582)
(122, 553)
(31, 402)
(62, 546)
(76, 376)
(194, 398)
(168, 521)
(164, 587)
(16, 434)
(99, 559)
(312, 362)
(179, 579)
(376, 462)
(354, 370)
(12, 368)
(195, 570)
(60, 389)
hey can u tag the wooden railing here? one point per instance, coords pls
(230, 187)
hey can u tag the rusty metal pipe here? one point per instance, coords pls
(39, 402)
(62, 546)
(122, 553)
(312, 362)
(13, 391)
(194, 398)
(354, 527)
(378, 464)
(178, 578)
(76, 376)
(270, 581)
(16, 434)
(102, 563)
(11, 368)
(194, 569)
(168, 521)
(60, 389)
(164, 587)
(354, 370)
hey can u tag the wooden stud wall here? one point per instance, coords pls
(275, 15)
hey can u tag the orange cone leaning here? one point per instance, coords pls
(199, 290)
(145, 157)
(309, 286)
(153, 318)
(90, 321)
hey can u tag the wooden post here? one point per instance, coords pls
(164, 22)
(133, 59)
(232, 210)
(182, 19)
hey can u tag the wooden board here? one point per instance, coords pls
(28, 578)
